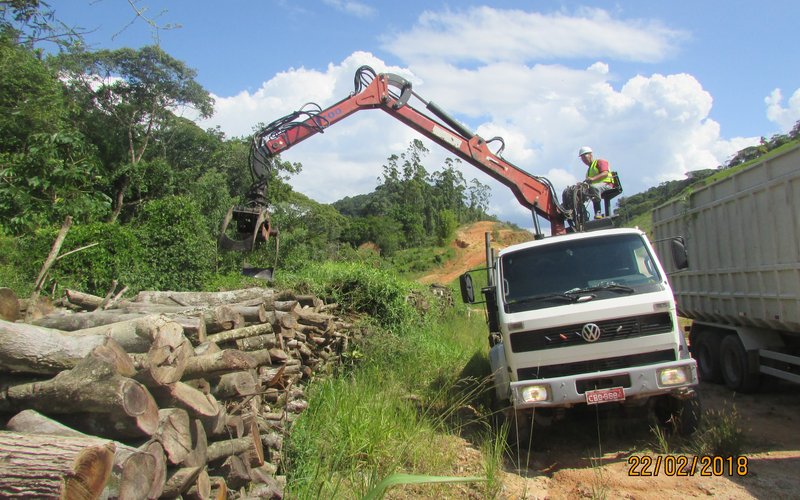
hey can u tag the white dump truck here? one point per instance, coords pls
(585, 318)
(735, 271)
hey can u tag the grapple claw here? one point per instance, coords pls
(252, 226)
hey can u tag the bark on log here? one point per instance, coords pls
(135, 335)
(267, 341)
(83, 300)
(180, 480)
(222, 318)
(240, 333)
(83, 320)
(205, 298)
(249, 446)
(218, 363)
(36, 466)
(32, 349)
(251, 314)
(234, 384)
(92, 386)
(235, 471)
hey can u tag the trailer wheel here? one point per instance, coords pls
(705, 350)
(736, 367)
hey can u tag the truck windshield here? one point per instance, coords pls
(578, 271)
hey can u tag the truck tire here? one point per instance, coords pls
(735, 365)
(705, 350)
(679, 414)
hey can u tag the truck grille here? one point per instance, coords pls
(612, 329)
(596, 365)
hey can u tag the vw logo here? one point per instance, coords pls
(590, 332)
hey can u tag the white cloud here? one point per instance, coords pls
(652, 128)
(487, 35)
(785, 118)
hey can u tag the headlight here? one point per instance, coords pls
(535, 393)
(672, 376)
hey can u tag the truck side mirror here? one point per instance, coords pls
(679, 256)
(467, 288)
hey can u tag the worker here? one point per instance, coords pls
(598, 177)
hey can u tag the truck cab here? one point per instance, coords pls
(586, 318)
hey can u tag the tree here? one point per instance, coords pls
(29, 22)
(138, 92)
(47, 168)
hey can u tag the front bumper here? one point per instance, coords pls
(637, 382)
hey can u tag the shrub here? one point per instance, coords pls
(116, 255)
(177, 247)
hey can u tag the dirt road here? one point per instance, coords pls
(593, 456)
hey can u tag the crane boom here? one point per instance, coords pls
(390, 93)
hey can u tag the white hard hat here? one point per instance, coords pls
(584, 150)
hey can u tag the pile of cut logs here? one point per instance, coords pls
(169, 394)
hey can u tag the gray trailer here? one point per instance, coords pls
(740, 280)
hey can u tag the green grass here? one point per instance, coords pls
(395, 410)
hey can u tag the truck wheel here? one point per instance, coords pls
(735, 366)
(680, 415)
(705, 350)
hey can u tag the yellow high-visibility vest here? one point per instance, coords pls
(593, 170)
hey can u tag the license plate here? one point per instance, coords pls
(605, 395)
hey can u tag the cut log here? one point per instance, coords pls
(234, 384)
(135, 335)
(205, 298)
(267, 341)
(180, 395)
(180, 480)
(219, 488)
(92, 387)
(193, 327)
(282, 320)
(249, 445)
(206, 347)
(235, 471)
(36, 466)
(222, 318)
(83, 300)
(130, 464)
(166, 359)
(218, 363)
(251, 314)
(159, 476)
(199, 453)
(240, 333)
(201, 489)
(32, 349)
(83, 320)
(324, 322)
(174, 434)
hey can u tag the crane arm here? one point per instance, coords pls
(391, 93)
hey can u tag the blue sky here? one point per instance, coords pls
(658, 88)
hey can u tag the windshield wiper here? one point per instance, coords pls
(613, 287)
(546, 296)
